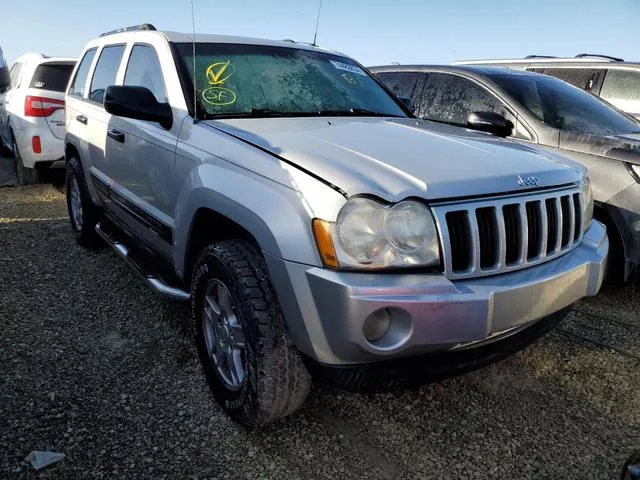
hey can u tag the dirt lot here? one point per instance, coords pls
(92, 364)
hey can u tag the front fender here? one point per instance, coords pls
(278, 216)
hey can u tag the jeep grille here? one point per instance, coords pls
(487, 237)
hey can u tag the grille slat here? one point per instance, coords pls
(494, 236)
(458, 225)
(544, 227)
(552, 222)
(567, 220)
(512, 228)
(534, 236)
(488, 233)
(578, 217)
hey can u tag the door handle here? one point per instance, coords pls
(117, 135)
(82, 119)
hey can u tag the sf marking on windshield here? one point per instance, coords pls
(528, 181)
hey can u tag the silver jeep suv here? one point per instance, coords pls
(314, 225)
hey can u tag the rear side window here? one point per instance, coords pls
(52, 77)
(14, 74)
(451, 99)
(77, 87)
(105, 72)
(404, 84)
(144, 70)
(578, 77)
(621, 88)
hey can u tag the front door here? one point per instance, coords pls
(141, 156)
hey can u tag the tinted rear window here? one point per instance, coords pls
(52, 77)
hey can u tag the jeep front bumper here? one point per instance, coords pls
(326, 310)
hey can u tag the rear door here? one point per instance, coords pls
(45, 93)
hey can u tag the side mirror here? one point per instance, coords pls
(407, 102)
(138, 103)
(490, 122)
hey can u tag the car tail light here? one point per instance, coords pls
(41, 106)
(35, 143)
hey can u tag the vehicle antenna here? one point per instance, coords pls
(315, 35)
(195, 90)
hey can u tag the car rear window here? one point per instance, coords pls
(52, 77)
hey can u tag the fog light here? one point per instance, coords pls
(376, 325)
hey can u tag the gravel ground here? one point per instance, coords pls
(92, 364)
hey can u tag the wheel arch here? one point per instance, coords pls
(618, 245)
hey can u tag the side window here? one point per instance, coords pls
(575, 76)
(451, 99)
(621, 88)
(79, 81)
(105, 73)
(14, 75)
(404, 84)
(144, 70)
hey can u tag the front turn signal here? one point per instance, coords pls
(324, 242)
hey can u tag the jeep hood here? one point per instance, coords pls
(399, 158)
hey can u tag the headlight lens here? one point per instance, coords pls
(587, 203)
(370, 235)
(636, 170)
(360, 230)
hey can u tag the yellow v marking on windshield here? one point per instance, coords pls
(216, 72)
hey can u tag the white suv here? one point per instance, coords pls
(32, 113)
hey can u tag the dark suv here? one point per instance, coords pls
(538, 109)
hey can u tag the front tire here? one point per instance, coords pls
(83, 213)
(251, 364)
(25, 176)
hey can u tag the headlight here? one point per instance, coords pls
(635, 169)
(370, 235)
(587, 202)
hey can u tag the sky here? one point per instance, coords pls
(374, 32)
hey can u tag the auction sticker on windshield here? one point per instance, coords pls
(348, 68)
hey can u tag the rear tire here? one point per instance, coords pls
(271, 381)
(25, 176)
(83, 213)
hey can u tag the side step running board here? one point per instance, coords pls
(154, 281)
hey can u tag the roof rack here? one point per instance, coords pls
(540, 56)
(132, 28)
(605, 57)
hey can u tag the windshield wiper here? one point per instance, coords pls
(254, 113)
(358, 112)
(268, 113)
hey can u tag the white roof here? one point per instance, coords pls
(40, 58)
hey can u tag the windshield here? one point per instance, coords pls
(236, 80)
(563, 106)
